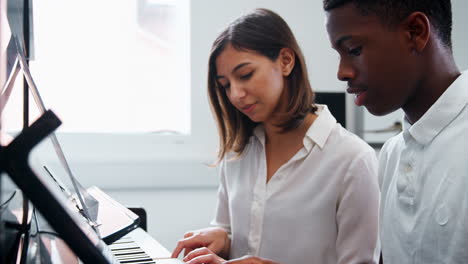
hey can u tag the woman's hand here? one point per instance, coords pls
(214, 239)
(203, 256)
(250, 260)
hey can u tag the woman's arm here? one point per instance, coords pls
(358, 212)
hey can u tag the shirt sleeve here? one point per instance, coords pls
(222, 216)
(358, 212)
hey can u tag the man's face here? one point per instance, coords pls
(376, 61)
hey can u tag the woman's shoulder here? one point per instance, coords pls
(233, 157)
(347, 142)
(354, 154)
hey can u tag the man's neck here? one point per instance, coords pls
(434, 83)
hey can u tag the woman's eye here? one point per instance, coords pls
(356, 51)
(246, 76)
(223, 84)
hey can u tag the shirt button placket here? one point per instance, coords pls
(405, 181)
(256, 221)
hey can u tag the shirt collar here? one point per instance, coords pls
(441, 113)
(259, 133)
(317, 133)
(321, 129)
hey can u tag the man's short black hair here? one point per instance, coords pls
(392, 12)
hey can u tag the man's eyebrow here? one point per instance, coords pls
(342, 39)
(235, 69)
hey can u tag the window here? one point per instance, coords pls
(119, 66)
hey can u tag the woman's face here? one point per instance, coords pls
(254, 84)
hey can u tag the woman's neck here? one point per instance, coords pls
(275, 136)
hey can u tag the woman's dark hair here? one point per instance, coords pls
(265, 33)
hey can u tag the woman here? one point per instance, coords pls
(295, 186)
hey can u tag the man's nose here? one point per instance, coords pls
(346, 71)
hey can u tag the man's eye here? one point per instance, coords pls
(356, 51)
(246, 76)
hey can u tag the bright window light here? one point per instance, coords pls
(120, 66)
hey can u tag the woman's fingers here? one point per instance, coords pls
(197, 252)
(202, 255)
(189, 242)
(216, 239)
(206, 259)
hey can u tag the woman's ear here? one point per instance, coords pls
(287, 59)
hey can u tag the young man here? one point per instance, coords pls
(398, 54)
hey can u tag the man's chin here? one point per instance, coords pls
(379, 111)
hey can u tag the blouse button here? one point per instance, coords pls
(442, 215)
(402, 183)
(408, 168)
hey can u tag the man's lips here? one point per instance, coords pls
(355, 90)
(360, 95)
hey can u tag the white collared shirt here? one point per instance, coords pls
(424, 178)
(319, 207)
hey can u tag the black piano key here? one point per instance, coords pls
(130, 253)
(126, 248)
(139, 261)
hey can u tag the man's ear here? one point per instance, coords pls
(287, 59)
(418, 31)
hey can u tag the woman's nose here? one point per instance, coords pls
(237, 91)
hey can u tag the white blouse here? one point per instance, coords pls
(320, 207)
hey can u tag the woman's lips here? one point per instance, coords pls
(248, 108)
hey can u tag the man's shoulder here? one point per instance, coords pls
(392, 144)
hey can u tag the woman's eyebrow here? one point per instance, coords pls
(240, 66)
(235, 69)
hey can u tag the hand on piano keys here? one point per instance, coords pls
(215, 239)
